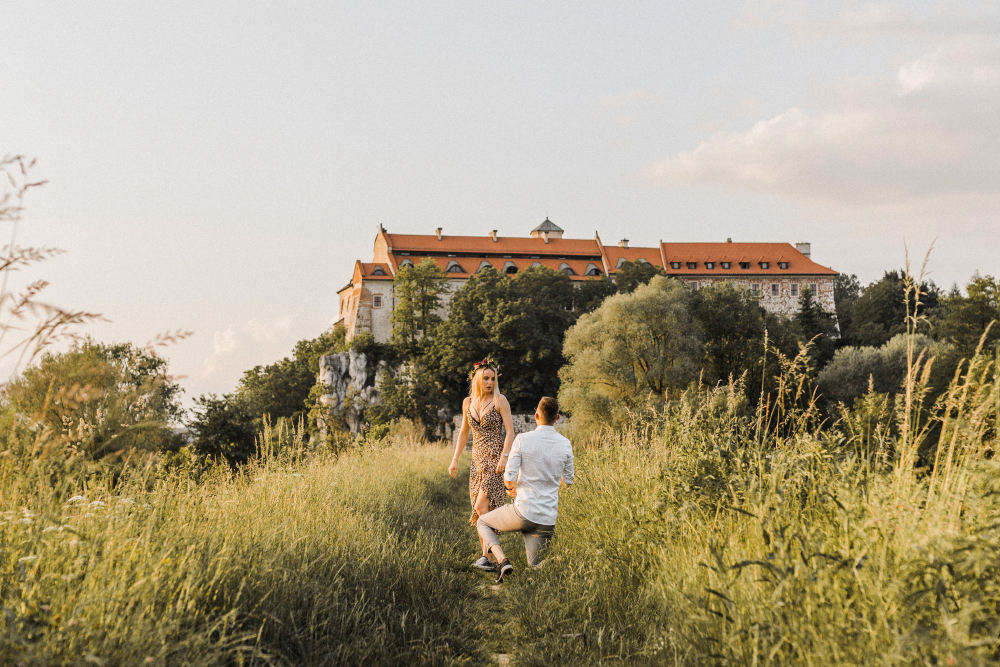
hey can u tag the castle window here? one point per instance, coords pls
(454, 267)
(744, 265)
(377, 271)
(814, 288)
(693, 284)
(592, 270)
(755, 289)
(782, 265)
(692, 265)
(509, 268)
(726, 265)
(377, 301)
(675, 265)
(794, 291)
(567, 269)
(765, 265)
(709, 265)
(775, 289)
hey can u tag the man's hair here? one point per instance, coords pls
(548, 409)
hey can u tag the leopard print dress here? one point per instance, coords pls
(487, 447)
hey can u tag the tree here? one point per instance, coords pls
(223, 428)
(846, 291)
(966, 318)
(880, 312)
(518, 321)
(281, 390)
(635, 349)
(630, 275)
(99, 398)
(882, 369)
(818, 327)
(417, 291)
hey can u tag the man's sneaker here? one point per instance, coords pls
(484, 564)
(505, 569)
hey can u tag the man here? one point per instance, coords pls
(538, 463)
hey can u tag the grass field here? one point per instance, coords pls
(707, 534)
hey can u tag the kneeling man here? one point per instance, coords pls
(539, 462)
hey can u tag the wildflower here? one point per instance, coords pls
(97, 503)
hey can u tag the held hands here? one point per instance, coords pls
(453, 468)
(512, 492)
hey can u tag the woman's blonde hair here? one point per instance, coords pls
(476, 385)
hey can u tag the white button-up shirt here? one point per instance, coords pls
(541, 457)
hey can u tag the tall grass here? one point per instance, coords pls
(709, 535)
(294, 560)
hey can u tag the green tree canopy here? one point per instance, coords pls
(880, 312)
(966, 317)
(519, 321)
(100, 398)
(417, 291)
(634, 349)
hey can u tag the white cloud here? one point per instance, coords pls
(928, 140)
(235, 349)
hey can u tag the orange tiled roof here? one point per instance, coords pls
(472, 265)
(616, 253)
(484, 245)
(754, 253)
(371, 271)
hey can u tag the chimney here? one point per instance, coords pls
(804, 247)
(439, 233)
(623, 243)
(729, 240)
(545, 235)
(493, 235)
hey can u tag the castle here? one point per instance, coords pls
(776, 272)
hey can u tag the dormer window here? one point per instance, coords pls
(377, 271)
(675, 265)
(726, 265)
(592, 270)
(692, 265)
(709, 265)
(567, 269)
(641, 261)
(765, 265)
(509, 268)
(405, 263)
(782, 265)
(744, 265)
(455, 267)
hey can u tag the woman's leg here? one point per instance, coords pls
(482, 506)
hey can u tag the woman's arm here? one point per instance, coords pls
(508, 425)
(463, 437)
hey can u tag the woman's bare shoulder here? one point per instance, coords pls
(502, 401)
(465, 403)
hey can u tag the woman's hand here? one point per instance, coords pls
(501, 466)
(453, 468)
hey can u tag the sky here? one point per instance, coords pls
(218, 167)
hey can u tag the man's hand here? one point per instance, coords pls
(453, 468)
(512, 492)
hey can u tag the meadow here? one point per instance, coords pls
(705, 533)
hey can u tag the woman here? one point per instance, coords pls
(486, 411)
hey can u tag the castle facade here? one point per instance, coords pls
(777, 273)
